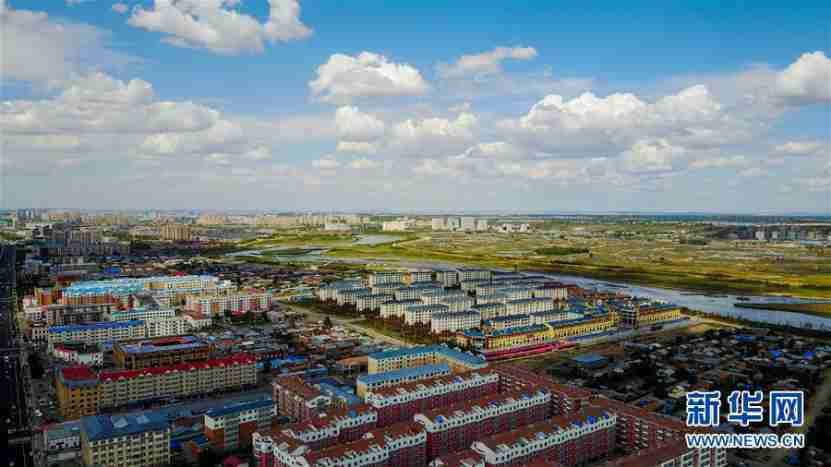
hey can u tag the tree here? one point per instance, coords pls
(327, 323)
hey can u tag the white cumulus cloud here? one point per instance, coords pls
(344, 78)
(218, 25)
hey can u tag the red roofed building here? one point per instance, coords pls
(464, 458)
(400, 403)
(672, 454)
(117, 388)
(338, 426)
(455, 427)
(568, 440)
(640, 429)
(565, 398)
(297, 400)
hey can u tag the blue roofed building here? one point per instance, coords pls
(230, 427)
(369, 382)
(409, 357)
(96, 333)
(136, 439)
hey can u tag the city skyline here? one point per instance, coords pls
(279, 105)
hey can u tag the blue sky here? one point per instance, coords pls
(427, 105)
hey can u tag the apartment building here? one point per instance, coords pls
(554, 291)
(490, 310)
(297, 400)
(136, 439)
(79, 354)
(549, 332)
(141, 313)
(396, 308)
(175, 233)
(340, 425)
(528, 305)
(166, 289)
(96, 333)
(414, 277)
(516, 293)
(82, 391)
(153, 352)
(463, 458)
(542, 317)
(389, 287)
(415, 291)
(447, 278)
(231, 427)
(386, 277)
(374, 381)
(329, 291)
(454, 321)
(408, 357)
(565, 398)
(60, 315)
(467, 274)
(161, 327)
(372, 302)
(436, 297)
(457, 426)
(218, 304)
(639, 429)
(350, 296)
(78, 392)
(567, 440)
(401, 402)
(422, 314)
(672, 454)
(457, 303)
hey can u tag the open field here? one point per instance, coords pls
(717, 266)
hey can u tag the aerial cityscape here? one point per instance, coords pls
(275, 233)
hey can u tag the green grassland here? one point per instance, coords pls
(644, 258)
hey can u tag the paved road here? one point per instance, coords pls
(14, 422)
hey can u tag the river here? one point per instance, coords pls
(722, 304)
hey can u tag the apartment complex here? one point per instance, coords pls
(96, 333)
(218, 304)
(401, 402)
(455, 427)
(148, 353)
(176, 233)
(137, 439)
(457, 360)
(297, 400)
(452, 322)
(81, 391)
(230, 427)
(167, 290)
(373, 381)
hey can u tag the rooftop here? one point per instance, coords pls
(162, 344)
(100, 427)
(239, 407)
(237, 359)
(442, 350)
(415, 372)
(95, 326)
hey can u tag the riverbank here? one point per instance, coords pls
(814, 309)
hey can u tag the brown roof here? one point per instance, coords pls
(531, 377)
(465, 458)
(391, 391)
(297, 386)
(548, 426)
(632, 411)
(651, 456)
(467, 406)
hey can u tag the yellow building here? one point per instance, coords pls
(176, 233)
(78, 392)
(543, 333)
(391, 360)
(135, 440)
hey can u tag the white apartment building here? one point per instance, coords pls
(528, 305)
(141, 313)
(386, 277)
(421, 314)
(79, 354)
(447, 278)
(517, 293)
(350, 296)
(96, 333)
(468, 285)
(390, 287)
(217, 305)
(438, 223)
(372, 302)
(196, 321)
(490, 310)
(397, 226)
(467, 274)
(456, 304)
(161, 327)
(38, 332)
(411, 293)
(435, 297)
(481, 225)
(552, 292)
(454, 321)
(396, 307)
(496, 297)
(468, 224)
(420, 276)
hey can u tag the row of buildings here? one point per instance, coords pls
(503, 416)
